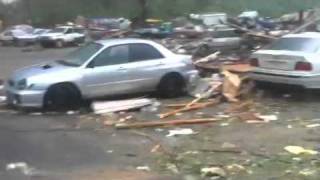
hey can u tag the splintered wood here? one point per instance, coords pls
(191, 106)
(165, 123)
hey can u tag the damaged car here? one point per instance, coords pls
(99, 69)
(291, 60)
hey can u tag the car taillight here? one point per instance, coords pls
(254, 62)
(303, 66)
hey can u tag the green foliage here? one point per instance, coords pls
(59, 11)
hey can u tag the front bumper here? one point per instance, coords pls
(25, 98)
(308, 82)
(47, 41)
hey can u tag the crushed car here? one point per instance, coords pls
(99, 69)
(62, 36)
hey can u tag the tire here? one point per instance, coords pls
(171, 85)
(59, 44)
(62, 97)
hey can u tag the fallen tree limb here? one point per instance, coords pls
(165, 123)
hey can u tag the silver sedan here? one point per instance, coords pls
(102, 68)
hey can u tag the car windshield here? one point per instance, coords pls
(81, 55)
(58, 30)
(309, 45)
(39, 32)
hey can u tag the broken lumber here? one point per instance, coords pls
(252, 33)
(212, 57)
(237, 68)
(164, 123)
(302, 27)
(121, 105)
(183, 105)
(189, 107)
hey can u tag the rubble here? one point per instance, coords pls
(164, 123)
(213, 171)
(22, 167)
(180, 132)
(297, 150)
(120, 105)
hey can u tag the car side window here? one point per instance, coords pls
(69, 31)
(112, 56)
(142, 52)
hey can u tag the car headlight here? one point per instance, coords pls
(22, 84)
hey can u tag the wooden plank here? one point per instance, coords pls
(165, 123)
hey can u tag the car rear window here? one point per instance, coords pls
(309, 45)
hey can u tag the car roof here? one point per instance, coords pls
(304, 35)
(112, 42)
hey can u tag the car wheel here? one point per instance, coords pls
(62, 97)
(59, 44)
(171, 85)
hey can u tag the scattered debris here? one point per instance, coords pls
(236, 168)
(231, 86)
(307, 172)
(3, 99)
(173, 168)
(23, 167)
(155, 148)
(312, 125)
(268, 118)
(180, 132)
(191, 106)
(121, 105)
(213, 171)
(164, 123)
(297, 150)
(143, 168)
(227, 145)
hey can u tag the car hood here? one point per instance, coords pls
(50, 69)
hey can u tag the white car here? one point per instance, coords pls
(29, 38)
(8, 37)
(293, 60)
(62, 36)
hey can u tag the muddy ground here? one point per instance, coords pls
(76, 145)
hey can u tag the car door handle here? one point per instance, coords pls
(161, 64)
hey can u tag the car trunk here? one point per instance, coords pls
(280, 60)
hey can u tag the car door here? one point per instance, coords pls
(145, 67)
(106, 74)
(69, 35)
